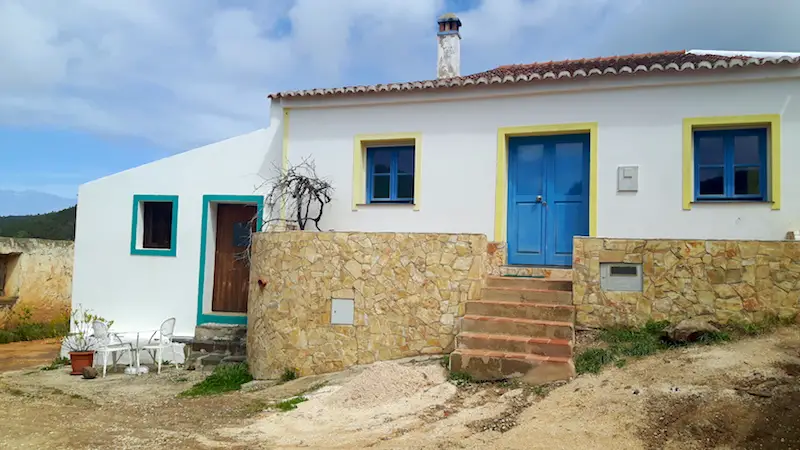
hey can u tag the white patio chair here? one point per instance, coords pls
(160, 340)
(108, 342)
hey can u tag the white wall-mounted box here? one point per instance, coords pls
(342, 311)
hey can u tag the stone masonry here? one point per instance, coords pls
(717, 280)
(35, 274)
(408, 290)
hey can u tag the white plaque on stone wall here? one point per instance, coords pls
(342, 311)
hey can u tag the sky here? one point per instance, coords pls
(93, 87)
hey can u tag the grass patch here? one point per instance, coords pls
(20, 327)
(225, 378)
(290, 404)
(592, 360)
(289, 375)
(57, 363)
(622, 343)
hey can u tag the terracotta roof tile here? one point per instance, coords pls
(674, 62)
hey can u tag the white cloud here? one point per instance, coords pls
(183, 73)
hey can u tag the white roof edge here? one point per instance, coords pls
(752, 54)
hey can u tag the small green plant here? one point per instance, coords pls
(289, 375)
(290, 404)
(620, 363)
(57, 363)
(225, 378)
(445, 361)
(592, 360)
(540, 390)
(82, 339)
(460, 378)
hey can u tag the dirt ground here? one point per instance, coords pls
(740, 395)
(19, 355)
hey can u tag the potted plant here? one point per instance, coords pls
(80, 342)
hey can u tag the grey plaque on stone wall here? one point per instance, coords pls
(622, 277)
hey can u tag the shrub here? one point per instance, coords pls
(225, 378)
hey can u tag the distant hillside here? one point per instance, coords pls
(54, 225)
(23, 203)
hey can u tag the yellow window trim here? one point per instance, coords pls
(501, 187)
(771, 121)
(360, 144)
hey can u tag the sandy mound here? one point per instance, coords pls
(385, 398)
(385, 382)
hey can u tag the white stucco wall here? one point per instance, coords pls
(139, 292)
(637, 126)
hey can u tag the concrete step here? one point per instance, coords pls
(527, 295)
(518, 327)
(493, 365)
(514, 344)
(528, 283)
(521, 310)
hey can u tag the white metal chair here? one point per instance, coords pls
(160, 340)
(108, 342)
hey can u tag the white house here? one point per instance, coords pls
(696, 144)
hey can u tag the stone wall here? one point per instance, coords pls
(718, 280)
(35, 274)
(408, 290)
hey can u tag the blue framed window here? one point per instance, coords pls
(154, 228)
(390, 174)
(730, 164)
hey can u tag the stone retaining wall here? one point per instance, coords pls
(408, 290)
(717, 280)
(35, 274)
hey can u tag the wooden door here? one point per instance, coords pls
(235, 222)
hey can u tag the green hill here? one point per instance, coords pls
(54, 225)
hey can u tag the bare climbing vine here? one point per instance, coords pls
(300, 194)
(295, 199)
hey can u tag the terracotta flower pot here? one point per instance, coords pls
(79, 360)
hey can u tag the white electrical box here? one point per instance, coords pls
(627, 179)
(623, 277)
(342, 311)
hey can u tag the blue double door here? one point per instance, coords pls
(548, 198)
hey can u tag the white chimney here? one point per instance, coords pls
(449, 61)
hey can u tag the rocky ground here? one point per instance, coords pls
(740, 395)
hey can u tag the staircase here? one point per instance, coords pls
(521, 327)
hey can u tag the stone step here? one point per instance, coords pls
(485, 365)
(515, 344)
(518, 327)
(548, 273)
(235, 348)
(522, 310)
(525, 295)
(528, 283)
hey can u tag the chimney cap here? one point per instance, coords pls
(449, 17)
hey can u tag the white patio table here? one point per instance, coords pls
(137, 339)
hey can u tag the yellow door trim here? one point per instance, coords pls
(501, 176)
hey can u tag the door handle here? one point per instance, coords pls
(539, 200)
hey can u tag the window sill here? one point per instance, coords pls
(410, 206)
(726, 202)
(153, 252)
